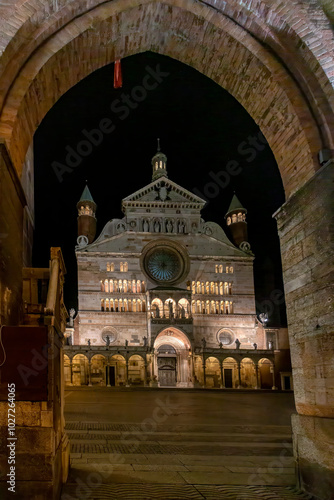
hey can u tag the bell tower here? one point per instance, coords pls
(159, 164)
(236, 221)
(86, 215)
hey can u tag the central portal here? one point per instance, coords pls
(167, 359)
(173, 362)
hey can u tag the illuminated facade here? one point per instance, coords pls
(164, 297)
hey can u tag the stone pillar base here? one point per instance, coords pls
(313, 441)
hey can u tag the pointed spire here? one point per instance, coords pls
(86, 195)
(86, 207)
(158, 148)
(235, 205)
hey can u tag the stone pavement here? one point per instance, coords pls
(180, 445)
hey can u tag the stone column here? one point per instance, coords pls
(305, 226)
(222, 374)
(257, 376)
(126, 373)
(204, 373)
(71, 372)
(274, 388)
(89, 372)
(108, 374)
(239, 374)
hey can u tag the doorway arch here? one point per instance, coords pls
(172, 360)
(284, 56)
(255, 73)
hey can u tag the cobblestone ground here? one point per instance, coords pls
(180, 445)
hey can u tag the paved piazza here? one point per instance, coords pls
(179, 444)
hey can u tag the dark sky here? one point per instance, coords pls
(202, 128)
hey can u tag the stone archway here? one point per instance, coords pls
(276, 60)
(108, 31)
(80, 369)
(172, 364)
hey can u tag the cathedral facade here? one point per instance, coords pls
(165, 298)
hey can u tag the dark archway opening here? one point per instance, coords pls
(201, 126)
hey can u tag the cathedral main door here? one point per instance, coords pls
(167, 371)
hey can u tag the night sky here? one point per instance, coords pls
(202, 128)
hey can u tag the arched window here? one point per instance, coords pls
(134, 286)
(193, 287)
(203, 307)
(212, 287)
(107, 304)
(112, 309)
(231, 307)
(221, 288)
(244, 217)
(111, 286)
(116, 305)
(120, 305)
(120, 285)
(231, 269)
(125, 305)
(138, 305)
(216, 288)
(138, 286)
(212, 308)
(202, 287)
(134, 303)
(112, 267)
(222, 307)
(227, 269)
(228, 220)
(207, 307)
(183, 308)
(230, 288)
(121, 267)
(143, 286)
(193, 307)
(239, 217)
(207, 287)
(234, 218)
(116, 286)
(130, 305)
(102, 286)
(198, 307)
(220, 268)
(198, 287)
(125, 286)
(102, 304)
(227, 307)
(125, 267)
(108, 266)
(225, 288)
(106, 286)
(143, 306)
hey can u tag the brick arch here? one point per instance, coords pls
(294, 27)
(226, 53)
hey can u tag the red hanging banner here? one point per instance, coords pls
(117, 74)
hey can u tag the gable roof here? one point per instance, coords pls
(163, 191)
